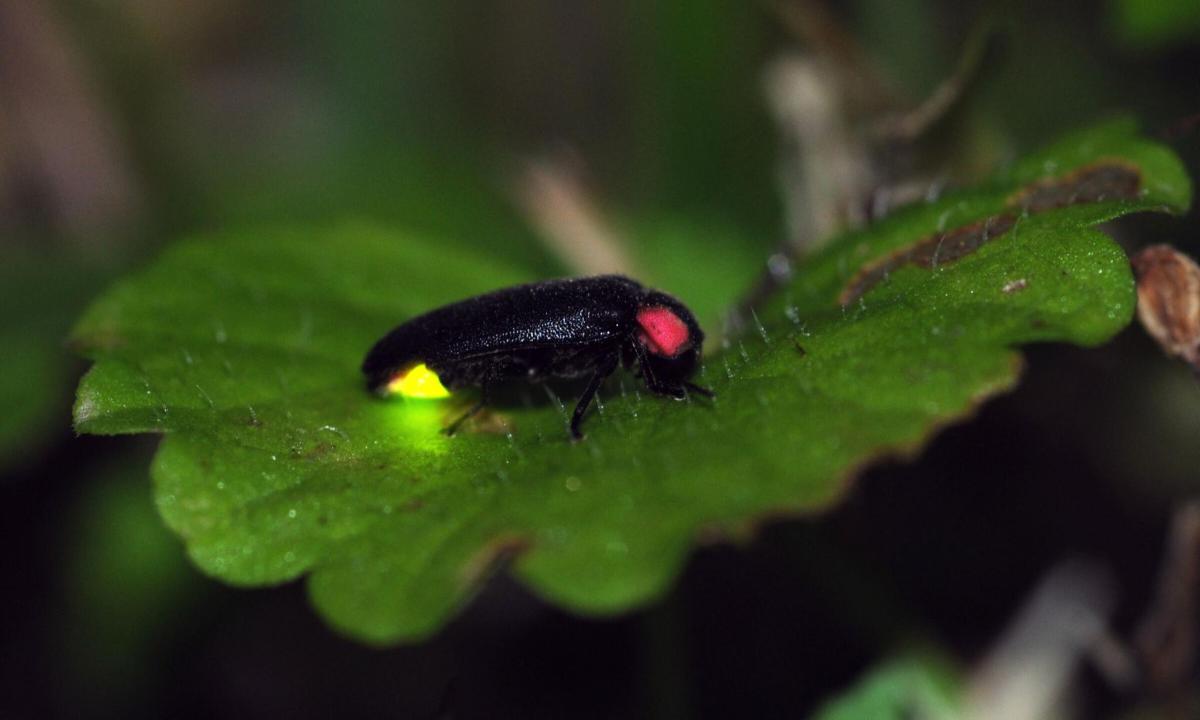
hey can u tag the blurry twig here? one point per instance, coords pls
(554, 198)
(1160, 660)
(1027, 675)
(911, 125)
(63, 157)
(1165, 640)
(825, 164)
(849, 144)
(824, 97)
(864, 90)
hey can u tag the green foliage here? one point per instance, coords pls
(244, 349)
(1155, 24)
(39, 298)
(31, 375)
(905, 688)
(125, 586)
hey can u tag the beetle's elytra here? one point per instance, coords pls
(580, 327)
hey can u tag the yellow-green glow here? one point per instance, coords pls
(416, 426)
(419, 382)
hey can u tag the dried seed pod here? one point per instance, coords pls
(1168, 288)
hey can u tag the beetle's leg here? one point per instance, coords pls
(605, 369)
(453, 427)
(483, 401)
(643, 370)
(654, 386)
(647, 375)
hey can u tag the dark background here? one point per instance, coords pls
(127, 124)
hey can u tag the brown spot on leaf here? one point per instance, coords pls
(316, 452)
(492, 556)
(1107, 180)
(940, 249)
(1168, 289)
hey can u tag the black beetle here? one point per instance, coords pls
(553, 329)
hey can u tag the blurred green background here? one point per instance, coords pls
(127, 124)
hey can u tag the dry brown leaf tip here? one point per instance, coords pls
(1168, 289)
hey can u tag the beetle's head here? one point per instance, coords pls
(669, 339)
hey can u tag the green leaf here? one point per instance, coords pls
(40, 297)
(244, 350)
(31, 378)
(903, 688)
(124, 584)
(1155, 25)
